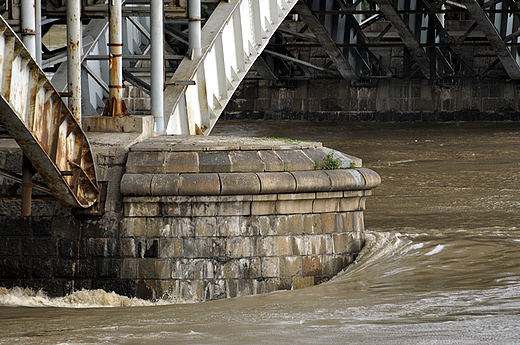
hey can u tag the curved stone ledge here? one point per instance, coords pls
(249, 183)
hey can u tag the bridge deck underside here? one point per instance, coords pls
(358, 40)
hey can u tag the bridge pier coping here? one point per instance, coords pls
(193, 218)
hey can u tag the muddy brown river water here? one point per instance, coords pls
(441, 264)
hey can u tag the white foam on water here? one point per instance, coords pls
(78, 299)
(438, 248)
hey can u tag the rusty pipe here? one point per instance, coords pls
(157, 65)
(115, 102)
(74, 51)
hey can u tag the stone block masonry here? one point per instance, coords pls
(194, 218)
(385, 100)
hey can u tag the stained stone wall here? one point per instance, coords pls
(381, 100)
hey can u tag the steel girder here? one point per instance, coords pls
(233, 37)
(43, 126)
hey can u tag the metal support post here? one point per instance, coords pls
(194, 33)
(28, 29)
(116, 106)
(74, 51)
(38, 36)
(28, 25)
(157, 65)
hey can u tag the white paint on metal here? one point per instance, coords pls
(232, 38)
(157, 65)
(28, 25)
(45, 129)
(74, 51)
(194, 26)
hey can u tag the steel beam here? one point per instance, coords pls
(44, 128)
(406, 35)
(491, 32)
(344, 67)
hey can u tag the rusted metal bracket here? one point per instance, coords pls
(98, 209)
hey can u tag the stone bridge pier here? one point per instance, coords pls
(193, 218)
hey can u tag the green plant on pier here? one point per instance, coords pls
(329, 163)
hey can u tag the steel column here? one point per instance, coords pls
(28, 29)
(28, 25)
(74, 52)
(194, 33)
(38, 36)
(157, 64)
(116, 105)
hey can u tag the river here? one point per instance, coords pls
(441, 264)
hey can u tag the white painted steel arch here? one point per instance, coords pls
(234, 36)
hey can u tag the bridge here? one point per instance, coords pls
(189, 58)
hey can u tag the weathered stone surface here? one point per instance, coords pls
(165, 184)
(239, 183)
(263, 207)
(372, 178)
(294, 206)
(199, 184)
(246, 161)
(311, 223)
(136, 184)
(297, 196)
(133, 227)
(295, 160)
(214, 162)
(312, 265)
(340, 243)
(350, 204)
(345, 179)
(328, 222)
(142, 209)
(234, 208)
(271, 160)
(290, 266)
(176, 207)
(326, 205)
(318, 156)
(274, 183)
